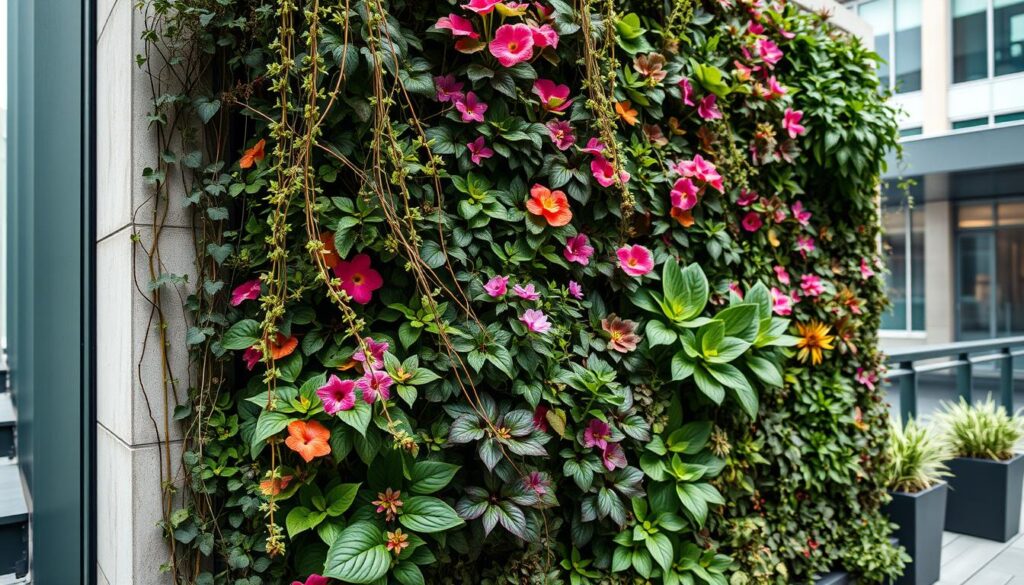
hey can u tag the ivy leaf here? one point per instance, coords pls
(241, 335)
(358, 555)
(427, 514)
(432, 254)
(206, 108)
(428, 477)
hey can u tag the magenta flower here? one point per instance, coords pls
(448, 89)
(707, 108)
(703, 170)
(481, 6)
(752, 221)
(604, 172)
(512, 44)
(357, 278)
(544, 36)
(540, 418)
(635, 260)
(791, 123)
(775, 89)
(246, 291)
(312, 580)
(781, 274)
(594, 147)
(866, 378)
(528, 292)
(251, 357)
(375, 384)
(782, 303)
(575, 290)
(810, 285)
(471, 108)
(377, 349)
(497, 286)
(337, 395)
(742, 72)
(596, 434)
(535, 321)
(553, 97)
(561, 134)
(866, 271)
(536, 482)
(687, 89)
(801, 214)
(578, 249)
(770, 52)
(612, 456)
(684, 194)
(780, 215)
(804, 245)
(459, 26)
(746, 197)
(478, 150)
(734, 288)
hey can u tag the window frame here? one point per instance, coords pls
(990, 46)
(907, 208)
(855, 5)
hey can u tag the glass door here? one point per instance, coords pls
(975, 297)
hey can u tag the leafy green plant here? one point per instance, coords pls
(916, 457)
(983, 430)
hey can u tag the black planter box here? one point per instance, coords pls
(984, 497)
(836, 578)
(920, 518)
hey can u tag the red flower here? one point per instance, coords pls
(253, 155)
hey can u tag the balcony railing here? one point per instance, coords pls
(907, 365)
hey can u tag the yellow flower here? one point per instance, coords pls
(814, 337)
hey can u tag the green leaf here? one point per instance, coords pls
(765, 370)
(340, 498)
(708, 385)
(694, 293)
(242, 335)
(682, 366)
(731, 377)
(659, 334)
(690, 438)
(711, 336)
(741, 321)
(269, 424)
(693, 502)
(358, 555)
(660, 548)
(301, 519)
(359, 417)
(427, 514)
(407, 573)
(428, 477)
(206, 108)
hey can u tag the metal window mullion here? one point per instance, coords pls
(990, 43)
(908, 260)
(892, 45)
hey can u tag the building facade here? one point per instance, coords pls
(954, 205)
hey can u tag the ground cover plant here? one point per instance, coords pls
(499, 292)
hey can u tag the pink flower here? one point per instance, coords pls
(781, 274)
(512, 44)
(810, 285)
(535, 321)
(687, 89)
(804, 245)
(312, 580)
(575, 290)
(528, 292)
(596, 434)
(684, 194)
(448, 90)
(604, 172)
(376, 348)
(544, 36)
(707, 109)
(561, 134)
(478, 150)
(755, 28)
(553, 97)
(357, 278)
(791, 123)
(770, 52)
(746, 197)
(800, 214)
(594, 147)
(775, 90)
(865, 270)
(578, 249)
(537, 483)
(375, 384)
(635, 260)
(866, 378)
(540, 418)
(734, 288)
(459, 26)
(251, 357)
(742, 72)
(612, 456)
(481, 6)
(246, 291)
(337, 395)
(497, 286)
(752, 221)
(471, 108)
(780, 215)
(702, 170)
(782, 303)
(621, 333)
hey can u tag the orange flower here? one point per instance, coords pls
(308, 439)
(330, 252)
(274, 486)
(282, 346)
(553, 206)
(626, 112)
(253, 155)
(684, 217)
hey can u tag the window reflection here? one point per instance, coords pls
(970, 40)
(878, 14)
(1008, 36)
(903, 245)
(908, 45)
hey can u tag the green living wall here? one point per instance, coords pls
(548, 292)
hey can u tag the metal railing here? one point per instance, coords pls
(905, 366)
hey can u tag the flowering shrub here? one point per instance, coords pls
(533, 293)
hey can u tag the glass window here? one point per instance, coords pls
(878, 14)
(970, 40)
(894, 221)
(974, 216)
(903, 247)
(907, 61)
(1008, 36)
(1011, 214)
(1014, 117)
(974, 302)
(973, 122)
(917, 269)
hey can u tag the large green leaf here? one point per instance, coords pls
(359, 555)
(427, 514)
(695, 293)
(708, 385)
(241, 335)
(660, 548)
(732, 378)
(359, 417)
(340, 498)
(659, 334)
(269, 424)
(767, 371)
(300, 519)
(682, 366)
(690, 438)
(430, 476)
(741, 321)
(408, 573)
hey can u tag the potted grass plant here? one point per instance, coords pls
(985, 488)
(916, 466)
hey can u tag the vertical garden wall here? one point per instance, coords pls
(548, 292)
